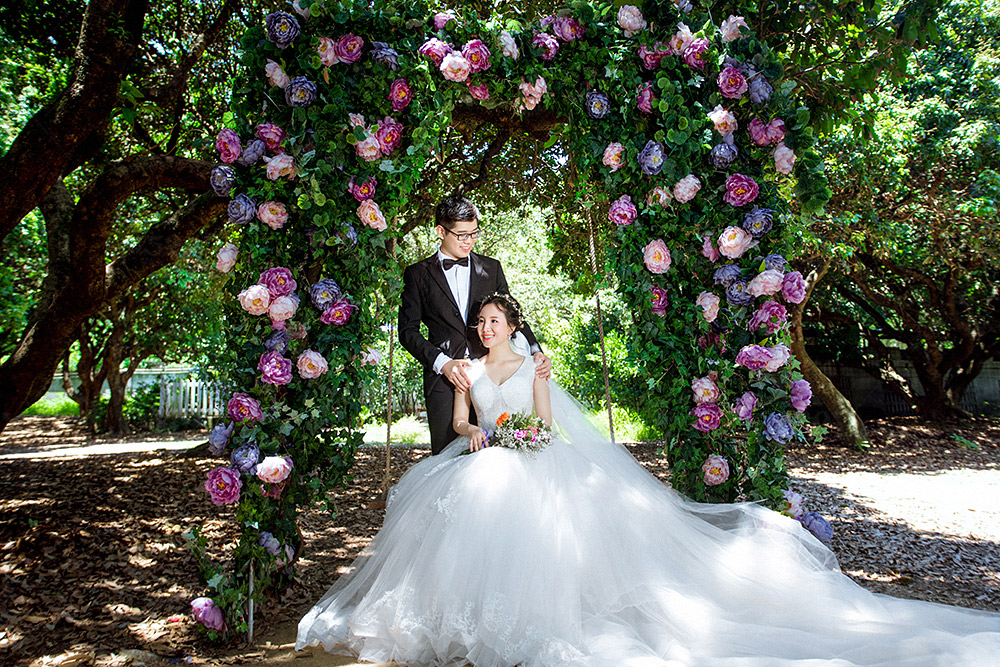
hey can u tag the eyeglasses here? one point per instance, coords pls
(465, 237)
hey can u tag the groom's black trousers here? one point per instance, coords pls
(440, 402)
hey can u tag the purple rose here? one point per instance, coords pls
(400, 94)
(723, 155)
(774, 262)
(745, 406)
(477, 54)
(348, 235)
(244, 408)
(219, 438)
(801, 395)
(278, 341)
(778, 428)
(548, 44)
(737, 293)
(282, 29)
(753, 357)
(760, 90)
(338, 313)
(660, 302)
(278, 281)
(740, 190)
(758, 222)
(732, 83)
(253, 152)
(597, 105)
(363, 191)
(793, 287)
(775, 131)
(817, 525)
(300, 92)
(651, 158)
(271, 134)
(383, 54)
(567, 28)
(771, 314)
(644, 100)
(269, 542)
(435, 49)
(223, 485)
(651, 58)
(228, 145)
(694, 54)
(245, 457)
(206, 613)
(324, 292)
(726, 274)
(441, 19)
(389, 134)
(623, 211)
(479, 91)
(274, 368)
(348, 48)
(222, 180)
(708, 417)
(242, 209)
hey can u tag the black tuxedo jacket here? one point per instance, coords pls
(428, 299)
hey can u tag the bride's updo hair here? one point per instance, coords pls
(508, 306)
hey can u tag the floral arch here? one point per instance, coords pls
(685, 127)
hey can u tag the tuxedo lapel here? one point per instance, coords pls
(478, 280)
(437, 273)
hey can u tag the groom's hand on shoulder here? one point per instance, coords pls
(543, 365)
(454, 370)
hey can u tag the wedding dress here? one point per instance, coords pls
(579, 556)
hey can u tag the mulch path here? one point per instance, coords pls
(93, 567)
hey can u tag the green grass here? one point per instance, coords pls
(50, 407)
(405, 431)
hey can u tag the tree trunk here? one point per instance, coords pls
(115, 422)
(844, 415)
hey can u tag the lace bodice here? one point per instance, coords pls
(514, 395)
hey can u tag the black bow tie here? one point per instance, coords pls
(448, 263)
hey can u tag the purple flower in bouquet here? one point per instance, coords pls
(548, 44)
(652, 57)
(271, 134)
(349, 48)
(479, 91)
(801, 394)
(758, 221)
(338, 313)
(219, 438)
(477, 54)
(722, 155)
(253, 152)
(223, 485)
(244, 408)
(745, 406)
(278, 281)
(435, 49)
(778, 428)
(775, 262)
(245, 457)
(715, 470)
(400, 94)
(659, 301)
(760, 90)
(389, 133)
(278, 341)
(623, 211)
(732, 83)
(708, 417)
(771, 314)
(817, 525)
(222, 180)
(737, 293)
(206, 613)
(694, 54)
(651, 158)
(269, 542)
(793, 287)
(242, 209)
(228, 145)
(726, 274)
(597, 105)
(441, 19)
(383, 54)
(282, 29)
(324, 292)
(275, 369)
(753, 357)
(567, 28)
(300, 92)
(645, 98)
(363, 191)
(740, 190)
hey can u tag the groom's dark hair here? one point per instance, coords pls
(455, 208)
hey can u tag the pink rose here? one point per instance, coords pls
(548, 44)
(327, 52)
(441, 19)
(369, 149)
(273, 214)
(659, 195)
(770, 314)
(705, 390)
(279, 281)
(733, 242)
(477, 54)
(275, 75)
(283, 308)
(255, 299)
(687, 188)
(652, 57)
(281, 165)
(531, 95)
(311, 364)
(732, 83)
(455, 67)
(764, 135)
(338, 313)
(614, 156)
(228, 145)
(349, 48)
(753, 357)
(709, 304)
(766, 283)
(775, 131)
(356, 120)
(708, 417)
(389, 133)
(784, 159)
(400, 94)
(694, 54)
(659, 301)
(731, 28)
(623, 211)
(681, 40)
(372, 357)
(780, 354)
(708, 250)
(725, 121)
(479, 91)
(274, 469)
(645, 98)
(630, 19)
(745, 406)
(226, 259)
(567, 28)
(715, 470)
(508, 46)
(244, 408)
(223, 485)
(800, 394)
(435, 49)
(206, 613)
(363, 191)
(297, 6)
(370, 214)
(793, 287)
(271, 135)
(656, 256)
(740, 190)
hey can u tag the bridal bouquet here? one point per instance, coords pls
(522, 432)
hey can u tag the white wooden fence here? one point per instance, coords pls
(191, 398)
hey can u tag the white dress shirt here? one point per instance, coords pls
(458, 277)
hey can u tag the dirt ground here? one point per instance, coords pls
(93, 568)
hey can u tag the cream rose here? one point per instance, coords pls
(725, 121)
(656, 256)
(709, 304)
(282, 308)
(733, 242)
(371, 215)
(311, 364)
(687, 188)
(227, 258)
(255, 299)
(275, 75)
(273, 214)
(274, 469)
(766, 283)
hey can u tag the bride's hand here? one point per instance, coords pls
(477, 440)
(543, 365)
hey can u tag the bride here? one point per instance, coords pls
(579, 556)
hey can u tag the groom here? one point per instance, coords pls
(442, 292)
